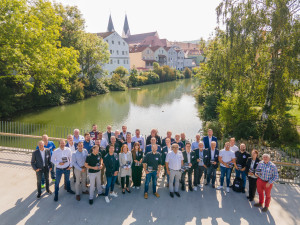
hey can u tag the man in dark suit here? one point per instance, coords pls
(154, 133)
(129, 142)
(209, 138)
(41, 164)
(122, 136)
(189, 157)
(149, 147)
(200, 168)
(211, 160)
(169, 135)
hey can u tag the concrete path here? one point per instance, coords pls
(18, 203)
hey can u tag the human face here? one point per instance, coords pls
(41, 146)
(80, 146)
(168, 142)
(117, 133)
(177, 137)
(210, 133)
(87, 138)
(153, 141)
(125, 148)
(95, 128)
(242, 147)
(175, 148)
(201, 145)
(111, 150)
(70, 139)
(153, 133)
(100, 135)
(96, 150)
(108, 129)
(113, 139)
(188, 147)
(169, 134)
(137, 133)
(232, 141)
(128, 138)
(97, 142)
(266, 159)
(45, 139)
(227, 146)
(154, 148)
(124, 129)
(136, 146)
(182, 136)
(76, 133)
(213, 145)
(198, 137)
(62, 144)
(254, 155)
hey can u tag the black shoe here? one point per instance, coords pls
(206, 184)
(172, 194)
(55, 198)
(38, 196)
(191, 189)
(49, 192)
(230, 185)
(128, 190)
(213, 186)
(177, 194)
(71, 192)
(91, 201)
(251, 199)
(182, 188)
(243, 191)
(248, 197)
(123, 192)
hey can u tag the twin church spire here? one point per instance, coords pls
(126, 30)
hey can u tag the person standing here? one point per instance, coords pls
(88, 143)
(195, 144)
(209, 138)
(62, 159)
(165, 151)
(78, 161)
(94, 132)
(125, 159)
(102, 152)
(174, 162)
(152, 166)
(211, 160)
(199, 167)
(139, 138)
(149, 147)
(240, 165)
(189, 157)
(179, 142)
(123, 134)
(103, 141)
(267, 174)
(137, 169)
(111, 162)
(233, 147)
(183, 139)
(93, 163)
(129, 142)
(154, 134)
(41, 164)
(73, 147)
(117, 147)
(107, 135)
(251, 165)
(227, 160)
(77, 137)
(169, 135)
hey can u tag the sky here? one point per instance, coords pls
(175, 20)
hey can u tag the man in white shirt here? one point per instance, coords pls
(62, 159)
(233, 147)
(227, 160)
(103, 142)
(174, 162)
(139, 138)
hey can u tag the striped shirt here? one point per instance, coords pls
(268, 172)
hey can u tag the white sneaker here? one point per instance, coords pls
(195, 188)
(138, 188)
(107, 199)
(201, 185)
(227, 189)
(103, 186)
(133, 187)
(220, 187)
(114, 194)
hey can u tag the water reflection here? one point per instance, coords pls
(164, 106)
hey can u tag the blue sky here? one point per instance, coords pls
(173, 19)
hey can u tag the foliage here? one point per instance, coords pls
(187, 73)
(115, 83)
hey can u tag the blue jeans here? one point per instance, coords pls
(59, 173)
(211, 174)
(238, 173)
(110, 184)
(148, 179)
(227, 171)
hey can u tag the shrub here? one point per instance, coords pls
(215, 125)
(187, 73)
(115, 83)
(121, 71)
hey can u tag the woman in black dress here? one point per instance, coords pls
(251, 165)
(137, 167)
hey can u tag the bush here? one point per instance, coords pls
(115, 83)
(152, 77)
(216, 126)
(209, 110)
(77, 91)
(187, 73)
(121, 71)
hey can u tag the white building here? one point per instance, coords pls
(180, 59)
(172, 57)
(119, 51)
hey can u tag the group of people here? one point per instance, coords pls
(101, 160)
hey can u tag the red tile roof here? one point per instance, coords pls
(134, 49)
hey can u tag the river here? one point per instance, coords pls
(165, 106)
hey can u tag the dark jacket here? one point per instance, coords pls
(163, 144)
(158, 140)
(207, 157)
(164, 153)
(132, 144)
(37, 160)
(122, 137)
(111, 164)
(149, 149)
(248, 164)
(193, 158)
(206, 141)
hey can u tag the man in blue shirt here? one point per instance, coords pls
(209, 138)
(88, 143)
(51, 147)
(195, 144)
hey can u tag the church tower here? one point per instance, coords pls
(110, 26)
(126, 30)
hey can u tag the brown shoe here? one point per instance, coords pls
(257, 205)
(85, 192)
(265, 209)
(146, 195)
(78, 197)
(156, 194)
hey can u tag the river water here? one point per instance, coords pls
(165, 106)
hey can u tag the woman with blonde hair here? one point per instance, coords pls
(125, 159)
(137, 167)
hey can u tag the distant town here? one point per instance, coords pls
(140, 51)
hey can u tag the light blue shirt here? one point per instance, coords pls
(80, 138)
(78, 158)
(195, 145)
(201, 156)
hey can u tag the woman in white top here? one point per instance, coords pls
(251, 165)
(125, 159)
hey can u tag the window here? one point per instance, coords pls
(122, 52)
(118, 61)
(117, 52)
(111, 51)
(124, 61)
(119, 43)
(148, 51)
(112, 42)
(111, 61)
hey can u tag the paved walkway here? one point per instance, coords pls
(18, 204)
